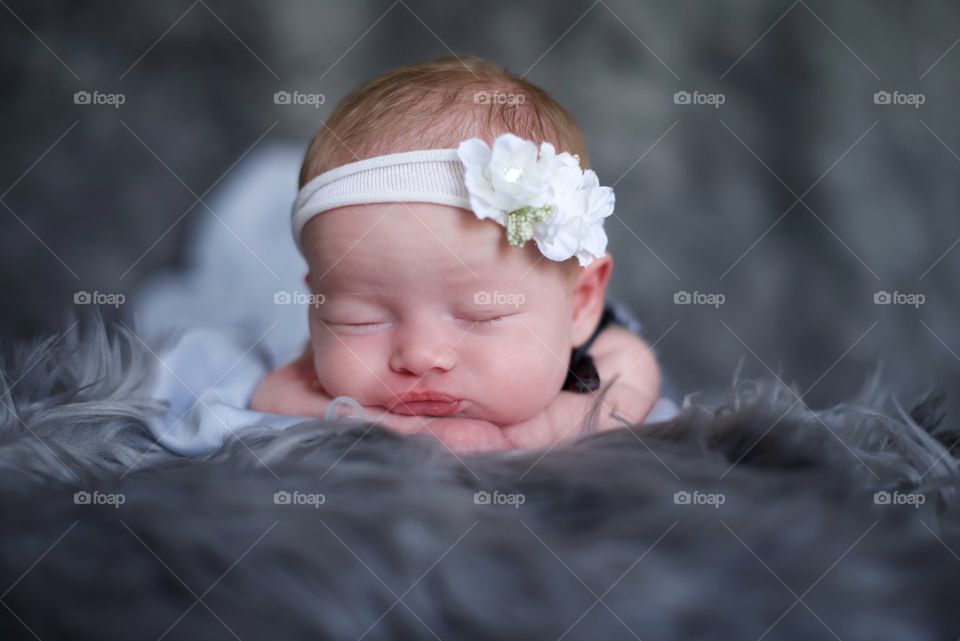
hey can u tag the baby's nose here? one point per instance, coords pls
(422, 349)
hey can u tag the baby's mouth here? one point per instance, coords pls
(426, 404)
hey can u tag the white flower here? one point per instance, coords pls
(546, 197)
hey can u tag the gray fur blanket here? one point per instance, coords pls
(757, 519)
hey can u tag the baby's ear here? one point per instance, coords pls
(589, 294)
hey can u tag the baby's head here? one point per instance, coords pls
(420, 296)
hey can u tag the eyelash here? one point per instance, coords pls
(484, 323)
(358, 325)
(487, 322)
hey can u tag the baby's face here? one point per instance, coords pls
(426, 297)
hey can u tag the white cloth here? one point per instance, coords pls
(207, 376)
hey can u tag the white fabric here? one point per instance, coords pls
(235, 260)
(423, 176)
(207, 378)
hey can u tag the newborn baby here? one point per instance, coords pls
(454, 266)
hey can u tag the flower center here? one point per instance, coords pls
(520, 223)
(512, 175)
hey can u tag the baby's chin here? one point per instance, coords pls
(469, 436)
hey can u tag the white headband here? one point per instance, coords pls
(545, 197)
(425, 176)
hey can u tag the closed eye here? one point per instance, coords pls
(355, 326)
(486, 322)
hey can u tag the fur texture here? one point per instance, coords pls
(400, 548)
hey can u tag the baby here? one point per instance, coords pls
(456, 255)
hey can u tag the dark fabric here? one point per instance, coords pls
(582, 375)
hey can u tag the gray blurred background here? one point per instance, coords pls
(796, 200)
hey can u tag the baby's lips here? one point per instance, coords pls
(425, 403)
(427, 408)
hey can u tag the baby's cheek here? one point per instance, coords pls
(345, 372)
(527, 376)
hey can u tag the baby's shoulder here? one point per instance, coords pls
(614, 339)
(617, 351)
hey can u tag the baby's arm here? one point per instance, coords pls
(291, 389)
(629, 362)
